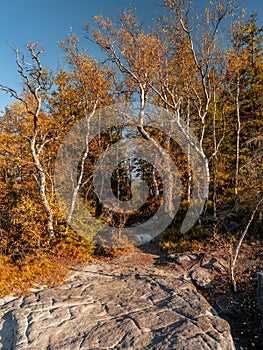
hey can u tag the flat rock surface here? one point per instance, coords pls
(124, 303)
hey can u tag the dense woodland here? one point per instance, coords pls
(206, 70)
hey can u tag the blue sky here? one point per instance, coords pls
(49, 21)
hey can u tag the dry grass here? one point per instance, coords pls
(33, 273)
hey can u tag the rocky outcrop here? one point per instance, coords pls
(113, 306)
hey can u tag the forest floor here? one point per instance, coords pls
(240, 310)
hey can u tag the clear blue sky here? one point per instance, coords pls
(49, 21)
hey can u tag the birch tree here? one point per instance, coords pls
(237, 64)
(205, 72)
(36, 83)
(82, 90)
(138, 56)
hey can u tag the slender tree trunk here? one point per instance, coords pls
(43, 195)
(237, 141)
(189, 172)
(32, 74)
(215, 164)
(234, 259)
(82, 167)
(168, 200)
(41, 179)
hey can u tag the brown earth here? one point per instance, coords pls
(240, 310)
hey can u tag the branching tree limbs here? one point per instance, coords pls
(203, 50)
(237, 63)
(210, 86)
(35, 84)
(84, 88)
(138, 56)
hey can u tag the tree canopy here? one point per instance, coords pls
(206, 70)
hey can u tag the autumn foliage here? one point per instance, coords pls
(209, 80)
